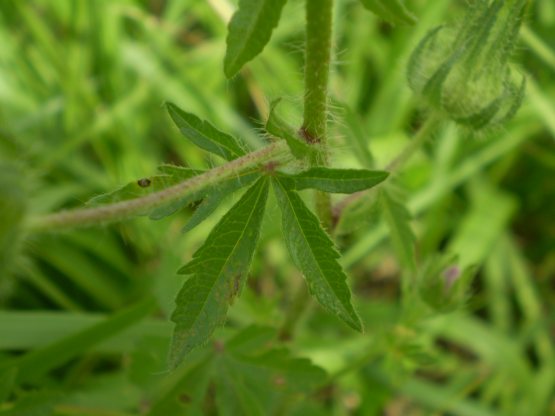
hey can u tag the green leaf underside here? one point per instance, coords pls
(277, 127)
(315, 255)
(169, 176)
(204, 134)
(224, 187)
(216, 196)
(398, 219)
(250, 29)
(218, 272)
(394, 11)
(344, 181)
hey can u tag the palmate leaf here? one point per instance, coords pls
(204, 134)
(394, 11)
(218, 272)
(314, 254)
(398, 219)
(343, 181)
(249, 31)
(168, 176)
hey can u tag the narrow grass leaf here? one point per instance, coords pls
(343, 181)
(39, 362)
(277, 127)
(315, 255)
(12, 211)
(218, 272)
(249, 31)
(204, 134)
(394, 11)
(7, 383)
(398, 218)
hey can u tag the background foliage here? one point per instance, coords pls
(84, 326)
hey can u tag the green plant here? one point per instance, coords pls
(463, 73)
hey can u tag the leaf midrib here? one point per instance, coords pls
(249, 32)
(230, 255)
(310, 248)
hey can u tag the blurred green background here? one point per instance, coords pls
(82, 87)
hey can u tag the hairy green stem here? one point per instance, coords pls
(122, 210)
(317, 67)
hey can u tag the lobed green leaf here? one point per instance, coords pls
(204, 134)
(315, 255)
(218, 272)
(343, 181)
(250, 29)
(394, 11)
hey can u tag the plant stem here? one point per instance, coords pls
(417, 141)
(317, 67)
(122, 210)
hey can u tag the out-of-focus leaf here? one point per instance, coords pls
(249, 31)
(257, 379)
(394, 11)
(12, 212)
(219, 269)
(40, 403)
(187, 395)
(398, 218)
(38, 362)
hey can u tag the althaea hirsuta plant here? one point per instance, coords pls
(464, 71)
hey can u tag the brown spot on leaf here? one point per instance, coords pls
(144, 182)
(184, 398)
